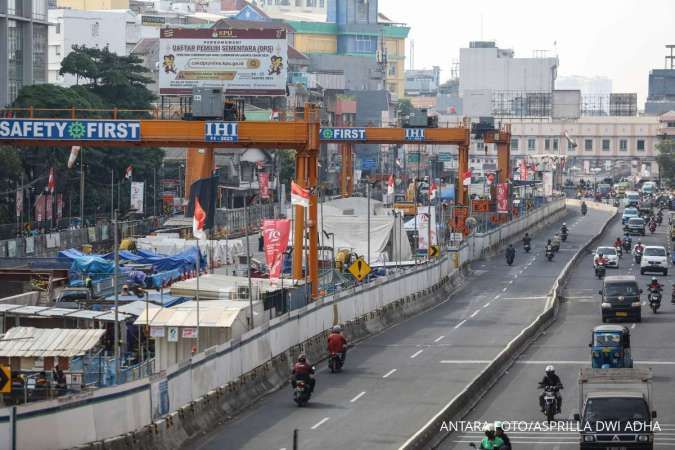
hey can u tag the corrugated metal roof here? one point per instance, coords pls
(44, 311)
(212, 313)
(42, 342)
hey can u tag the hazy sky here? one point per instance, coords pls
(621, 39)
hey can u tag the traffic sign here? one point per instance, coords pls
(434, 251)
(360, 269)
(5, 380)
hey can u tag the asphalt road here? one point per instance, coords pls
(395, 382)
(565, 345)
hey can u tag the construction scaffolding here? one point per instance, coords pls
(623, 104)
(522, 104)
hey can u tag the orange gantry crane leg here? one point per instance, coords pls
(346, 170)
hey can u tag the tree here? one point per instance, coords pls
(666, 159)
(404, 108)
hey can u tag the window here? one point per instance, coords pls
(547, 144)
(588, 145)
(555, 144)
(605, 145)
(392, 69)
(670, 124)
(640, 145)
(570, 147)
(364, 44)
(58, 28)
(95, 29)
(623, 145)
(514, 144)
(531, 145)
(15, 53)
(39, 53)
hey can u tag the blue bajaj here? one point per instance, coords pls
(610, 347)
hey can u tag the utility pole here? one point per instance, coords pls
(82, 188)
(368, 220)
(116, 291)
(248, 261)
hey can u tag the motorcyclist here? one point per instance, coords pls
(499, 432)
(510, 253)
(638, 248)
(527, 240)
(303, 371)
(584, 208)
(627, 240)
(337, 343)
(550, 380)
(555, 242)
(618, 243)
(563, 228)
(600, 259)
(491, 441)
(654, 285)
(549, 246)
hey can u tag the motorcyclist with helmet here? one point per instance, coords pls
(600, 260)
(337, 343)
(303, 371)
(563, 228)
(551, 380)
(555, 242)
(654, 285)
(638, 248)
(491, 441)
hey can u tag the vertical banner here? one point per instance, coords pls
(275, 237)
(19, 202)
(548, 183)
(502, 198)
(264, 183)
(59, 206)
(523, 170)
(423, 226)
(137, 195)
(40, 208)
(48, 207)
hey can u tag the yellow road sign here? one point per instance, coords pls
(5, 380)
(434, 251)
(360, 269)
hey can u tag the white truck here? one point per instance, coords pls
(616, 409)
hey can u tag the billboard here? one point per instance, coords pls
(241, 61)
(137, 188)
(70, 129)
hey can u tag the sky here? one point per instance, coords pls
(621, 39)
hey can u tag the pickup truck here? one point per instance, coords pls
(616, 409)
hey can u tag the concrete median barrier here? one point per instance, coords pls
(432, 433)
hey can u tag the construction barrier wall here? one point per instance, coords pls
(110, 413)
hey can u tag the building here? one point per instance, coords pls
(587, 85)
(661, 96)
(290, 9)
(422, 82)
(610, 141)
(92, 5)
(487, 72)
(23, 46)
(120, 31)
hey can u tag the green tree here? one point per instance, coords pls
(666, 160)
(404, 108)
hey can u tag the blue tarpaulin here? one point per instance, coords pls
(94, 266)
(71, 253)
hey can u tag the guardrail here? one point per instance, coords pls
(430, 435)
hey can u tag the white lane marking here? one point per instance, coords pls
(460, 324)
(523, 298)
(504, 290)
(320, 422)
(510, 281)
(497, 296)
(358, 397)
(529, 442)
(439, 338)
(632, 326)
(475, 313)
(551, 362)
(486, 305)
(464, 361)
(414, 355)
(515, 276)
(386, 375)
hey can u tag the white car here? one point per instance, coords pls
(610, 254)
(654, 259)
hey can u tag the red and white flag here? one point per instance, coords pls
(51, 183)
(74, 151)
(390, 185)
(398, 163)
(299, 195)
(128, 173)
(275, 239)
(433, 190)
(466, 178)
(199, 221)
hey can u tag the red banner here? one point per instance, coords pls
(275, 236)
(48, 207)
(59, 206)
(502, 197)
(40, 208)
(264, 183)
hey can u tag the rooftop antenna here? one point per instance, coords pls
(670, 58)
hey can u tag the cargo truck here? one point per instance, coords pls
(616, 409)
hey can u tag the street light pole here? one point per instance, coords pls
(116, 292)
(82, 188)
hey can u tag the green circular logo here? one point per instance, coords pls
(76, 130)
(327, 133)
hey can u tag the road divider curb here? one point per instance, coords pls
(430, 435)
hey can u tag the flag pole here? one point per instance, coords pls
(199, 257)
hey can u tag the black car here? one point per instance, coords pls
(635, 225)
(621, 298)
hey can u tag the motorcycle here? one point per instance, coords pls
(335, 362)
(652, 227)
(619, 251)
(627, 244)
(600, 270)
(584, 209)
(301, 393)
(672, 295)
(638, 256)
(526, 247)
(563, 236)
(549, 254)
(655, 299)
(550, 402)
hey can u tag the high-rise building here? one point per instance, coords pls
(661, 97)
(23, 46)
